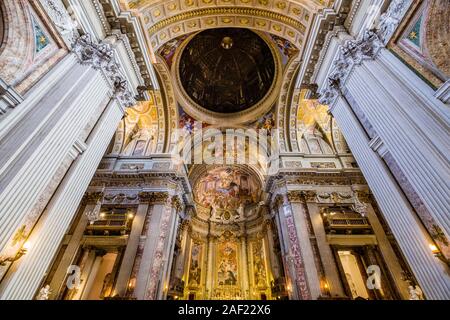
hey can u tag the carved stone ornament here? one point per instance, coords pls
(93, 197)
(177, 204)
(359, 206)
(302, 196)
(153, 197)
(44, 293)
(101, 56)
(353, 52)
(390, 20)
(67, 27)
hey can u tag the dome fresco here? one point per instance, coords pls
(227, 70)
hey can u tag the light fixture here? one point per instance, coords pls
(434, 249)
(130, 216)
(227, 43)
(438, 254)
(25, 247)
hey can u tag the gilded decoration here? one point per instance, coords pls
(228, 191)
(227, 264)
(138, 134)
(302, 196)
(93, 197)
(195, 266)
(153, 197)
(251, 18)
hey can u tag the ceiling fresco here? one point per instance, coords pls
(227, 191)
(227, 70)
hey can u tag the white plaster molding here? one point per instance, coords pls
(377, 145)
(352, 53)
(101, 56)
(9, 98)
(390, 20)
(66, 25)
(443, 93)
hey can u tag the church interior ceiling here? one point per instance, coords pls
(214, 74)
(228, 191)
(226, 70)
(138, 132)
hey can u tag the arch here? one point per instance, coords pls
(2, 27)
(197, 171)
(165, 20)
(286, 18)
(31, 44)
(188, 149)
(284, 106)
(17, 46)
(168, 114)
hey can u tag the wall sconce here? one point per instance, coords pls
(437, 253)
(26, 246)
(434, 249)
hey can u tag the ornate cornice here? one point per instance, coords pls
(93, 197)
(177, 204)
(302, 196)
(232, 11)
(101, 56)
(153, 197)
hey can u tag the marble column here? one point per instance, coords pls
(57, 284)
(413, 133)
(38, 146)
(86, 268)
(305, 246)
(210, 268)
(431, 273)
(326, 254)
(149, 279)
(126, 267)
(293, 255)
(274, 262)
(168, 254)
(25, 276)
(245, 268)
(182, 256)
(91, 277)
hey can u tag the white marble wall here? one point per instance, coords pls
(409, 125)
(52, 141)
